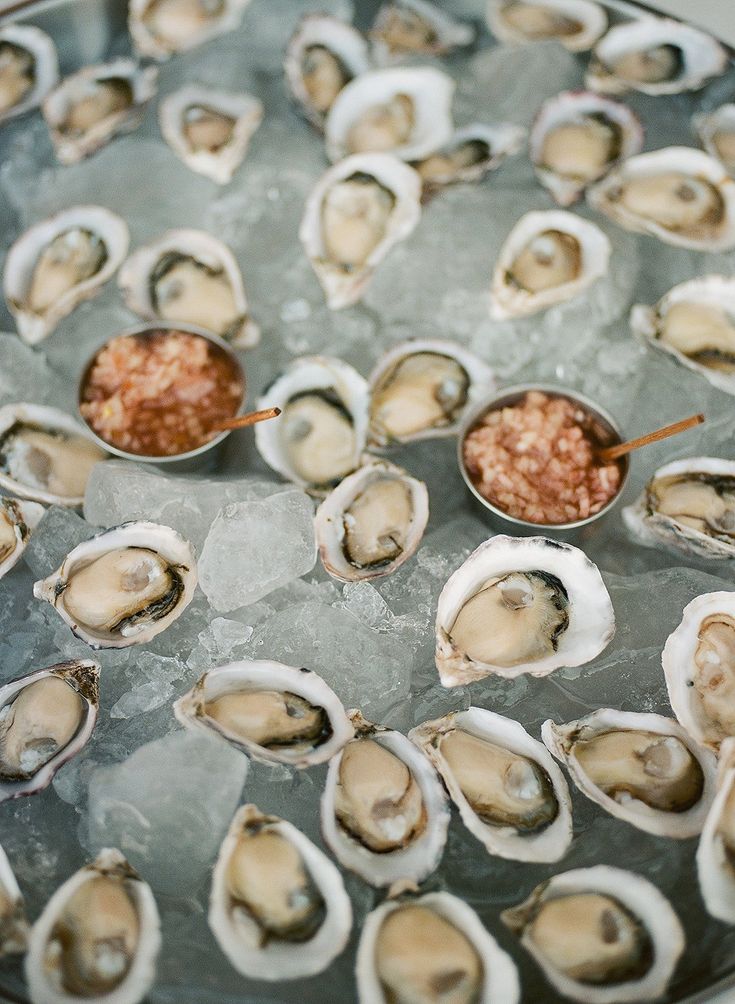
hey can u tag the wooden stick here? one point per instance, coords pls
(243, 421)
(610, 453)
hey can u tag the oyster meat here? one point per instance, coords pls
(28, 69)
(162, 28)
(716, 131)
(716, 850)
(18, 519)
(13, 923)
(469, 154)
(577, 24)
(416, 27)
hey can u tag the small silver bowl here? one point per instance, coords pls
(512, 395)
(203, 456)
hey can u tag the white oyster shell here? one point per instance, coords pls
(448, 32)
(694, 164)
(265, 675)
(43, 980)
(709, 125)
(219, 165)
(559, 739)
(636, 894)
(344, 287)
(509, 300)
(179, 34)
(591, 617)
(500, 976)
(591, 17)
(418, 858)
(575, 107)
(330, 521)
(23, 517)
(502, 140)
(714, 864)
(45, 65)
(239, 938)
(430, 90)
(151, 536)
(13, 924)
(701, 56)
(135, 278)
(548, 844)
(24, 254)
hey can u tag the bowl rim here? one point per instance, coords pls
(515, 391)
(168, 327)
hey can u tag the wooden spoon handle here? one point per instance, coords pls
(244, 421)
(610, 453)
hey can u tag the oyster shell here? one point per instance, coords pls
(161, 28)
(509, 792)
(411, 946)
(29, 68)
(210, 130)
(17, 519)
(384, 813)
(422, 389)
(13, 923)
(688, 505)
(415, 27)
(189, 277)
(91, 106)
(357, 212)
(323, 55)
(59, 263)
(716, 131)
(548, 257)
(577, 138)
(45, 455)
(699, 666)
(273, 713)
(123, 586)
(97, 938)
(46, 718)
(469, 154)
(405, 111)
(577, 24)
(715, 861)
(682, 196)
(371, 522)
(654, 55)
(278, 906)
(521, 605)
(642, 768)
(319, 438)
(600, 935)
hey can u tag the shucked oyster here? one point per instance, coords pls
(278, 906)
(509, 792)
(161, 28)
(521, 605)
(272, 712)
(97, 938)
(432, 948)
(469, 154)
(716, 130)
(17, 519)
(716, 850)
(123, 586)
(413, 27)
(688, 505)
(642, 768)
(13, 923)
(577, 24)
(28, 69)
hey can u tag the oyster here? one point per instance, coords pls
(695, 323)
(422, 389)
(45, 455)
(509, 792)
(416, 27)
(210, 130)
(323, 55)
(716, 131)
(600, 935)
(682, 196)
(189, 277)
(278, 906)
(699, 665)
(577, 138)
(273, 713)
(358, 210)
(17, 519)
(371, 522)
(384, 813)
(521, 605)
(46, 718)
(123, 586)
(29, 68)
(319, 438)
(642, 768)
(59, 263)
(431, 948)
(404, 111)
(716, 850)
(688, 505)
(547, 258)
(13, 923)
(469, 154)
(577, 24)
(97, 938)
(654, 55)
(91, 106)
(161, 28)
